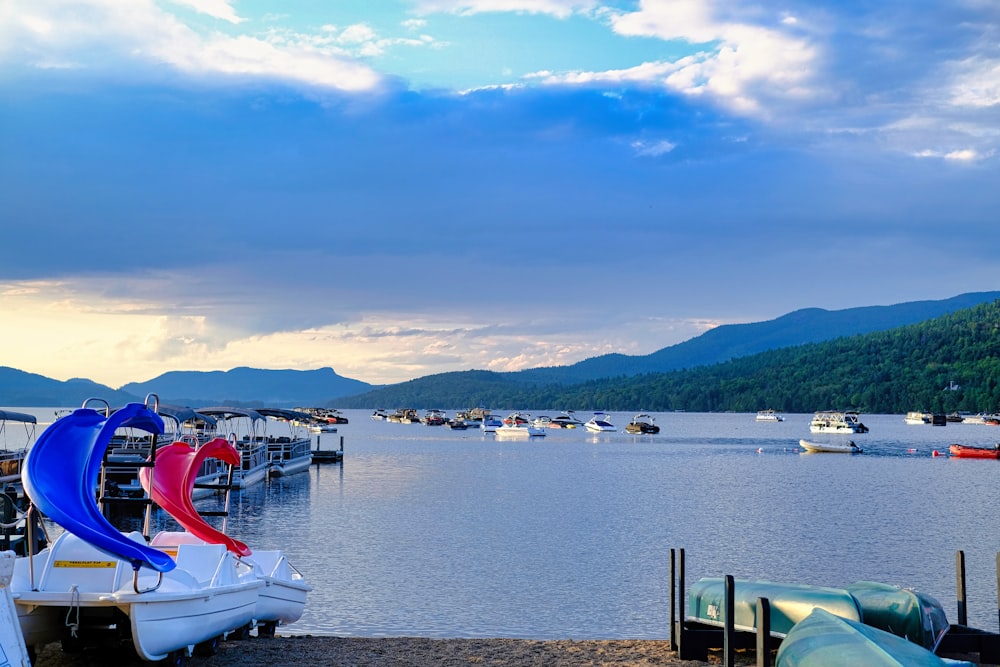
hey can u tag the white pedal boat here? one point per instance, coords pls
(95, 584)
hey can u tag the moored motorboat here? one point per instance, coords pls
(291, 451)
(94, 583)
(565, 420)
(832, 421)
(769, 416)
(969, 452)
(642, 423)
(830, 447)
(600, 422)
(518, 425)
(823, 639)
(490, 423)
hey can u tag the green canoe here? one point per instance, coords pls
(790, 603)
(912, 615)
(823, 639)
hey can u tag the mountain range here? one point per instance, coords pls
(323, 387)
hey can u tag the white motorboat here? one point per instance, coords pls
(600, 422)
(917, 418)
(769, 416)
(518, 425)
(830, 447)
(94, 583)
(831, 421)
(490, 423)
(282, 598)
(565, 420)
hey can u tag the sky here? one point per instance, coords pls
(406, 187)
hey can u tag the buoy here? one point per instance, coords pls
(936, 453)
(760, 450)
(911, 450)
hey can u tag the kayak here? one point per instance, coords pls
(823, 639)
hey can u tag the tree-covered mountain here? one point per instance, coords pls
(731, 341)
(18, 388)
(944, 364)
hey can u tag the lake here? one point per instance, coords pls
(431, 532)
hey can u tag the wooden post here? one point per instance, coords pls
(763, 632)
(728, 638)
(963, 618)
(673, 601)
(680, 604)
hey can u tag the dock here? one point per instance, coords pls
(320, 455)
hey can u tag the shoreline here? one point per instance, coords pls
(309, 650)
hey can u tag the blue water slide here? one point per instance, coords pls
(61, 472)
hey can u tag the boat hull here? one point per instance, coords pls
(965, 452)
(790, 603)
(822, 639)
(907, 613)
(830, 447)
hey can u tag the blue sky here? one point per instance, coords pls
(396, 189)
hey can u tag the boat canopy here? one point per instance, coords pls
(60, 474)
(288, 415)
(7, 415)
(227, 412)
(184, 414)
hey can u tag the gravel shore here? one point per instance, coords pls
(307, 651)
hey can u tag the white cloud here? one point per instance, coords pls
(557, 8)
(654, 149)
(975, 83)
(219, 9)
(83, 32)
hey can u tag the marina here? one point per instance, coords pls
(448, 533)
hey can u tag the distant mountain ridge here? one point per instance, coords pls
(730, 341)
(323, 387)
(242, 385)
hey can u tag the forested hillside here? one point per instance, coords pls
(907, 368)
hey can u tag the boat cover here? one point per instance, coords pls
(823, 639)
(8, 415)
(173, 481)
(61, 472)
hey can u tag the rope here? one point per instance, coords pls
(73, 606)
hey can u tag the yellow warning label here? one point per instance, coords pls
(85, 563)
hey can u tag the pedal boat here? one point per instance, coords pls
(282, 598)
(95, 584)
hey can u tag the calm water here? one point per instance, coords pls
(439, 533)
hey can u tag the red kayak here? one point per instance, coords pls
(964, 452)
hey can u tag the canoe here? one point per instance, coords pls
(907, 613)
(790, 603)
(831, 447)
(966, 452)
(823, 639)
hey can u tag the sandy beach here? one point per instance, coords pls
(412, 652)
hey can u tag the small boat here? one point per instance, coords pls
(249, 428)
(434, 418)
(823, 638)
(915, 615)
(968, 452)
(790, 603)
(917, 418)
(490, 423)
(282, 598)
(769, 416)
(600, 422)
(831, 421)
(565, 420)
(291, 452)
(642, 423)
(380, 415)
(830, 447)
(15, 446)
(518, 425)
(457, 424)
(113, 584)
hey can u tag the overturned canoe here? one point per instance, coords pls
(823, 639)
(790, 603)
(911, 614)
